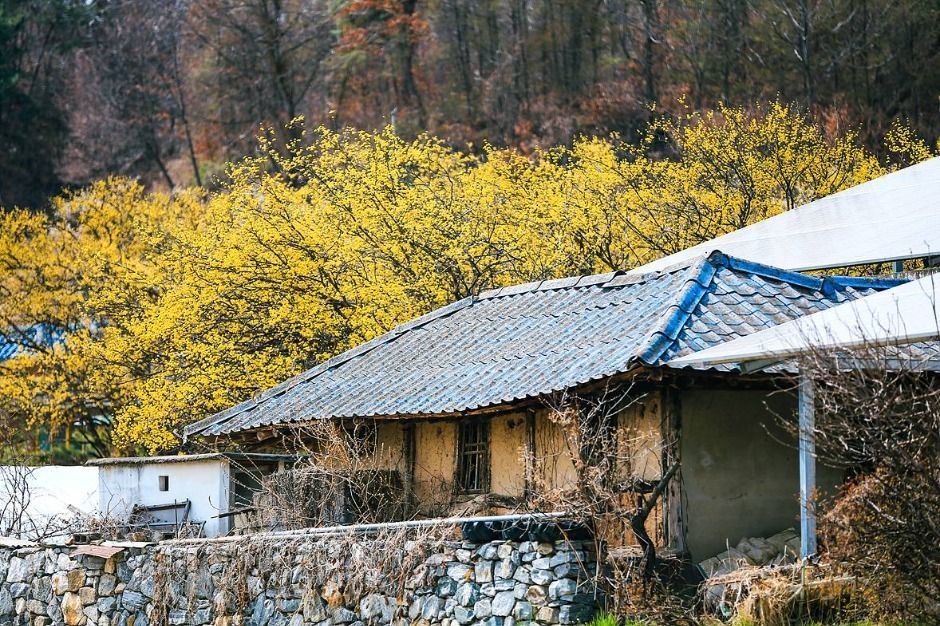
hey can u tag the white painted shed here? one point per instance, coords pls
(205, 488)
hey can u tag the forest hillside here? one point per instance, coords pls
(169, 90)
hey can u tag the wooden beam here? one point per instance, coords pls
(674, 525)
(529, 452)
(410, 462)
(807, 427)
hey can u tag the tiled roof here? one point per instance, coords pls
(528, 340)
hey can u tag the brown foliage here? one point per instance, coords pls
(878, 414)
(170, 89)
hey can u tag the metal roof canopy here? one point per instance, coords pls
(894, 217)
(904, 314)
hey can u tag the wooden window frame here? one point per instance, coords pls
(473, 457)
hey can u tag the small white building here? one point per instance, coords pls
(165, 491)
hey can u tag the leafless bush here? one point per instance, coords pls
(614, 492)
(14, 481)
(878, 414)
(17, 517)
(338, 480)
(105, 525)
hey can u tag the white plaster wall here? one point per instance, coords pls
(54, 488)
(204, 483)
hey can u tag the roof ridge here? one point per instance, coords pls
(616, 278)
(871, 282)
(619, 278)
(827, 284)
(316, 370)
(701, 275)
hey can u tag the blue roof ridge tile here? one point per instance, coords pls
(661, 337)
(825, 284)
(864, 282)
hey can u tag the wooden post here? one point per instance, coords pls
(671, 436)
(408, 432)
(807, 467)
(529, 452)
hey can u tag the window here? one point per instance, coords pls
(473, 457)
(164, 483)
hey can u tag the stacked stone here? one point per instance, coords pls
(501, 583)
(43, 586)
(505, 584)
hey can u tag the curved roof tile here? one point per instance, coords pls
(532, 339)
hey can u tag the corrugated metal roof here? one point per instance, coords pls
(530, 340)
(8, 349)
(896, 216)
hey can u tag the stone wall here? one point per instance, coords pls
(298, 583)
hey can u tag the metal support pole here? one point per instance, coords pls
(807, 467)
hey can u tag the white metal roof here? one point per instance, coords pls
(893, 217)
(904, 314)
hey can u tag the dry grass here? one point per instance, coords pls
(784, 595)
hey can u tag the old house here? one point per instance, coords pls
(464, 400)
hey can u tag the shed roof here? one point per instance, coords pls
(529, 340)
(13, 341)
(193, 458)
(7, 349)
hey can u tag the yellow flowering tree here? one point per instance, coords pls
(176, 307)
(61, 278)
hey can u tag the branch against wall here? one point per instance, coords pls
(615, 446)
(14, 516)
(19, 517)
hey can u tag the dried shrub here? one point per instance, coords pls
(330, 569)
(784, 595)
(338, 479)
(878, 415)
(609, 494)
(311, 495)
